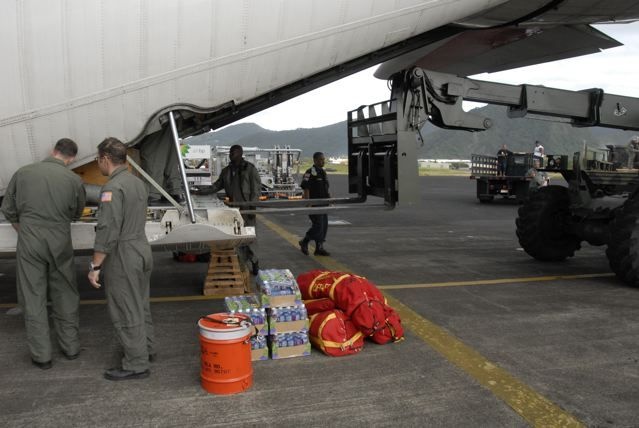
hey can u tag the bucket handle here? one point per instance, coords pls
(235, 321)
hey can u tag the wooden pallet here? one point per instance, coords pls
(225, 276)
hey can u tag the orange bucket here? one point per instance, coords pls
(226, 353)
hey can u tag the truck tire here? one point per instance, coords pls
(623, 246)
(521, 191)
(542, 225)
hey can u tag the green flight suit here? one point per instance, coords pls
(44, 198)
(127, 268)
(159, 159)
(241, 184)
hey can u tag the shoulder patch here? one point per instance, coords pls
(106, 196)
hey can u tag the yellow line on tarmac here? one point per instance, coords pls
(153, 300)
(328, 262)
(494, 281)
(529, 404)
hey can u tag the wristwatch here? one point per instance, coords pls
(94, 267)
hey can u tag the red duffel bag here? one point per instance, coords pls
(362, 302)
(317, 284)
(316, 306)
(334, 334)
(391, 330)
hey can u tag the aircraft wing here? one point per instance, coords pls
(478, 51)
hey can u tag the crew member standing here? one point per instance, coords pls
(538, 155)
(123, 254)
(241, 182)
(40, 202)
(315, 186)
(502, 160)
(633, 150)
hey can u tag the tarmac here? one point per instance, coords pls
(494, 338)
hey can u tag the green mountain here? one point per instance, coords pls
(518, 134)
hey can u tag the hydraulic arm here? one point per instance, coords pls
(439, 97)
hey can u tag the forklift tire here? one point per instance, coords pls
(623, 247)
(485, 199)
(542, 225)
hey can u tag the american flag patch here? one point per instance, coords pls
(106, 196)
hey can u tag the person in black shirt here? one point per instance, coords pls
(315, 186)
(502, 160)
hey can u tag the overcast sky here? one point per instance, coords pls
(614, 70)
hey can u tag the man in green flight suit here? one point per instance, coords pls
(123, 254)
(40, 202)
(241, 182)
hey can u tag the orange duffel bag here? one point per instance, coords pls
(334, 334)
(316, 306)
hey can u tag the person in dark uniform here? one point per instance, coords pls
(123, 254)
(502, 160)
(40, 202)
(241, 182)
(315, 186)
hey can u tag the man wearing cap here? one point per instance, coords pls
(40, 202)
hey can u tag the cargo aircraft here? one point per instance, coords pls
(89, 69)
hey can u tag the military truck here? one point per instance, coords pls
(599, 206)
(515, 182)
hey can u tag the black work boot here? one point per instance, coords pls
(46, 365)
(121, 374)
(320, 251)
(304, 246)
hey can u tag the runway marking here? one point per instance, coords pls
(335, 266)
(495, 281)
(153, 300)
(328, 262)
(530, 405)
